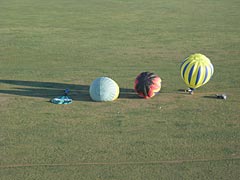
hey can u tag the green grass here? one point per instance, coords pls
(47, 46)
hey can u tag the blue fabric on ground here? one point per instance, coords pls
(62, 100)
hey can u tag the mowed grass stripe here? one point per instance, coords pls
(122, 163)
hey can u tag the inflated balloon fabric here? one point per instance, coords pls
(147, 84)
(196, 70)
(104, 89)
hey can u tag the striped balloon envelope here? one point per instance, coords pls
(196, 70)
(147, 84)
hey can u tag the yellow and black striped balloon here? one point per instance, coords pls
(196, 70)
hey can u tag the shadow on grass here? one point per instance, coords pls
(47, 90)
(50, 90)
(128, 94)
(181, 90)
(211, 97)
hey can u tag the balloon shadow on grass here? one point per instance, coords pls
(128, 94)
(46, 90)
(211, 97)
(49, 90)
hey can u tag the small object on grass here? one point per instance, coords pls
(190, 91)
(62, 99)
(221, 96)
(66, 91)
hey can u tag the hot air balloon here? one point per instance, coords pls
(147, 84)
(104, 89)
(196, 70)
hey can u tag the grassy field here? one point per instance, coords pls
(49, 45)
